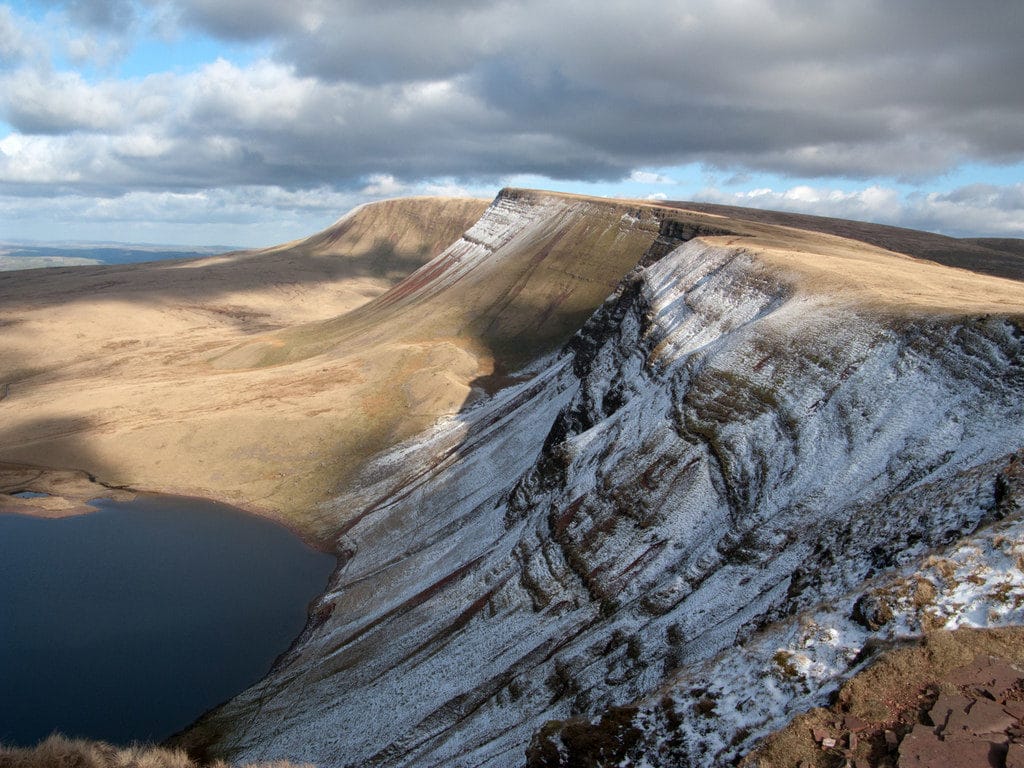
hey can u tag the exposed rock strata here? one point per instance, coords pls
(714, 451)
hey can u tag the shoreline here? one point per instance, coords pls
(70, 491)
(67, 492)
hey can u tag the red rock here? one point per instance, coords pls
(854, 723)
(891, 739)
(984, 718)
(922, 749)
(1015, 708)
(1015, 756)
(945, 705)
(819, 734)
(988, 673)
(853, 741)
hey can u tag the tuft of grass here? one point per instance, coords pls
(787, 670)
(61, 752)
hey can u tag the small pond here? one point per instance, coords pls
(128, 623)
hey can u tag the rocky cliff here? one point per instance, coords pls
(749, 430)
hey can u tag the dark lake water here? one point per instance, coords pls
(129, 623)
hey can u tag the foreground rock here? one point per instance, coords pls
(956, 700)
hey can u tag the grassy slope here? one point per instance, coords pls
(239, 379)
(266, 378)
(106, 367)
(999, 257)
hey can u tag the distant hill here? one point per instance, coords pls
(33, 255)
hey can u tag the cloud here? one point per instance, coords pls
(354, 95)
(108, 15)
(35, 102)
(384, 185)
(647, 177)
(248, 215)
(972, 210)
(244, 19)
(16, 43)
(787, 86)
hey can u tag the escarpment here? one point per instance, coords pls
(599, 474)
(739, 434)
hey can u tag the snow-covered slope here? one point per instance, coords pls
(715, 451)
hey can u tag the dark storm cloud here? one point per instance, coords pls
(568, 90)
(109, 15)
(792, 86)
(240, 19)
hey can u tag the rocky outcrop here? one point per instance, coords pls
(952, 699)
(713, 453)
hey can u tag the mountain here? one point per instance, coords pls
(267, 379)
(757, 422)
(33, 255)
(605, 478)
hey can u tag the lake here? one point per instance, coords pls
(128, 623)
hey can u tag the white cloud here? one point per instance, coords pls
(16, 44)
(450, 188)
(261, 94)
(976, 210)
(37, 101)
(383, 185)
(393, 98)
(648, 177)
(493, 88)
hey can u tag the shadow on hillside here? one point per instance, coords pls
(203, 281)
(62, 478)
(385, 241)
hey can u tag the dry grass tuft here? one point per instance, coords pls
(61, 752)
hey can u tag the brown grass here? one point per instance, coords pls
(61, 752)
(274, 401)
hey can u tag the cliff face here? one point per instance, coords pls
(717, 451)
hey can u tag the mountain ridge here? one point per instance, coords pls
(724, 444)
(589, 446)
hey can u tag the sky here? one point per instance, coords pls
(254, 122)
